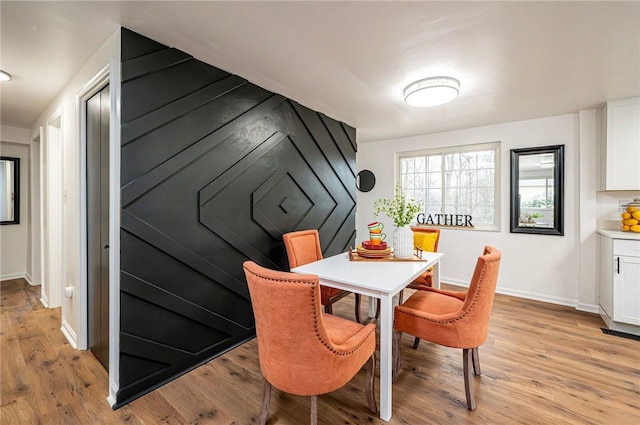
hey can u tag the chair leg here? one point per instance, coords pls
(265, 403)
(468, 381)
(475, 356)
(378, 309)
(415, 343)
(314, 410)
(400, 297)
(370, 383)
(358, 298)
(328, 309)
(396, 355)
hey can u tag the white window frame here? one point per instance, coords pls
(495, 146)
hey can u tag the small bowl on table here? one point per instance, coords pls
(369, 245)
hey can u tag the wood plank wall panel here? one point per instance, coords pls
(214, 170)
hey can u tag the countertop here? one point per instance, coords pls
(617, 234)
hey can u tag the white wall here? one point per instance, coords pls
(66, 102)
(13, 237)
(540, 267)
(608, 213)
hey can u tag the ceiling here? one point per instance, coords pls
(351, 60)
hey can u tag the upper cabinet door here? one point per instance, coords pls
(619, 145)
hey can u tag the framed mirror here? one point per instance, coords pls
(537, 190)
(365, 181)
(9, 190)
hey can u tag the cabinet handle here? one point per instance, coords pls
(618, 265)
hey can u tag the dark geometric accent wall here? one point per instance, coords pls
(214, 170)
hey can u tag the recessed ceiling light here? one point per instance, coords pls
(431, 91)
(4, 76)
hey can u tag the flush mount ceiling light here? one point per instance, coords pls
(4, 76)
(431, 91)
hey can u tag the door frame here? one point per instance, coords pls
(36, 211)
(109, 74)
(52, 158)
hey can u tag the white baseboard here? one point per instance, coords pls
(589, 308)
(27, 277)
(12, 276)
(44, 300)
(529, 295)
(70, 334)
(113, 390)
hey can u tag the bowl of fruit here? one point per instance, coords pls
(630, 216)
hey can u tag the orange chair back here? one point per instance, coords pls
(303, 247)
(296, 354)
(458, 320)
(474, 322)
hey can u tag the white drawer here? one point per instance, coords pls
(626, 247)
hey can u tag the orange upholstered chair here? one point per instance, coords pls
(301, 350)
(452, 319)
(303, 247)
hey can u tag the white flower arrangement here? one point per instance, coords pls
(400, 209)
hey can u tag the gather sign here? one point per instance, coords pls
(450, 220)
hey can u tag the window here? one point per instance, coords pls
(461, 180)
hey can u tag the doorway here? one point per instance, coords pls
(97, 207)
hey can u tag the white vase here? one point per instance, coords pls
(403, 242)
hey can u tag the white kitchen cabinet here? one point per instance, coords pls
(626, 281)
(619, 282)
(605, 274)
(619, 145)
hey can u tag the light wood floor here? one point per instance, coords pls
(542, 364)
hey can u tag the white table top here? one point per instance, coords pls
(383, 276)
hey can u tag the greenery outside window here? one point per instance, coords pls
(455, 180)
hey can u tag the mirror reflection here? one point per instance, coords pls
(536, 176)
(536, 192)
(9, 190)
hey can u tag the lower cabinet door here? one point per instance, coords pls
(626, 289)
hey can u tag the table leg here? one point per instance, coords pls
(386, 357)
(436, 275)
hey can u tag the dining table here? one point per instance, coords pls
(381, 278)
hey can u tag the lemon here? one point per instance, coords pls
(636, 215)
(625, 215)
(625, 228)
(631, 209)
(635, 228)
(630, 222)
